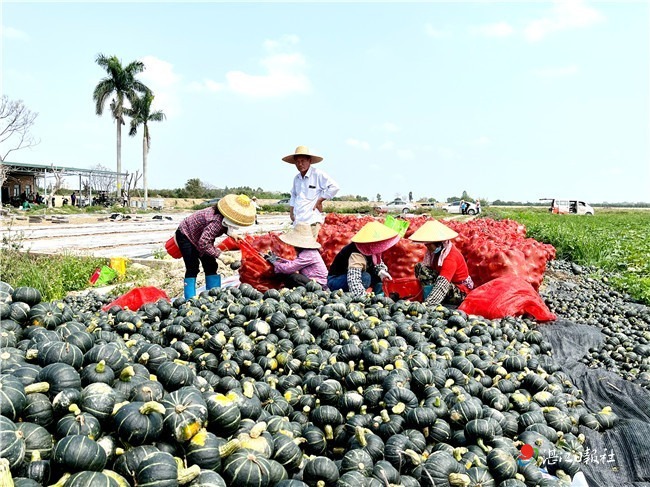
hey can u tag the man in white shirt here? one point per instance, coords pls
(311, 187)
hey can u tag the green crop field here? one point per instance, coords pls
(617, 241)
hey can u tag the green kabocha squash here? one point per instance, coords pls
(76, 453)
(320, 472)
(19, 312)
(99, 400)
(37, 439)
(442, 469)
(138, 423)
(59, 377)
(185, 412)
(247, 468)
(87, 479)
(12, 396)
(27, 295)
(223, 412)
(48, 315)
(127, 463)
(208, 478)
(160, 469)
(78, 423)
(6, 292)
(502, 464)
(206, 450)
(38, 409)
(12, 444)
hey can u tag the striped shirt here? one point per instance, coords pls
(202, 228)
(309, 263)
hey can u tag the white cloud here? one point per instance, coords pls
(557, 72)
(390, 127)
(14, 34)
(160, 77)
(388, 145)
(499, 29)
(283, 73)
(448, 154)
(431, 31)
(360, 144)
(482, 140)
(565, 14)
(405, 154)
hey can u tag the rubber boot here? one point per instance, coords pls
(189, 287)
(212, 281)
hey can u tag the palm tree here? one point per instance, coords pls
(121, 84)
(141, 114)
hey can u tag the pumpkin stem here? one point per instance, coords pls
(100, 367)
(74, 409)
(257, 430)
(248, 390)
(151, 407)
(399, 408)
(127, 373)
(459, 452)
(60, 483)
(121, 481)
(31, 354)
(458, 480)
(329, 432)
(384, 416)
(414, 456)
(360, 435)
(186, 475)
(37, 387)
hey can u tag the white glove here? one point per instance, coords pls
(385, 275)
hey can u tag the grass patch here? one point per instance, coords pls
(615, 241)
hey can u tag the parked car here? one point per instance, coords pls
(283, 202)
(454, 207)
(396, 206)
(564, 206)
(211, 202)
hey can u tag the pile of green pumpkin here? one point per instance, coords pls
(625, 326)
(287, 388)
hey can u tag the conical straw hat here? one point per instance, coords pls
(300, 236)
(302, 150)
(433, 231)
(373, 232)
(238, 208)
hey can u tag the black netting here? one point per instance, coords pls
(628, 443)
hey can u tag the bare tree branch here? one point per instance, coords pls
(16, 120)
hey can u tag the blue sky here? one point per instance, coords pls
(516, 100)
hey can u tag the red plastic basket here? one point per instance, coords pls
(403, 288)
(172, 248)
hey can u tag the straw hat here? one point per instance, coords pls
(373, 232)
(433, 231)
(300, 236)
(302, 150)
(238, 209)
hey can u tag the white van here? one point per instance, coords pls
(568, 206)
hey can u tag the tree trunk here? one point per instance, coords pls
(145, 149)
(119, 156)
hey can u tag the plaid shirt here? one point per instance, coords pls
(202, 228)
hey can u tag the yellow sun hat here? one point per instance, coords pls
(433, 231)
(238, 208)
(302, 150)
(373, 232)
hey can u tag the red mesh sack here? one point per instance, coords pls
(138, 296)
(506, 296)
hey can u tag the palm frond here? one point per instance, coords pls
(102, 92)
